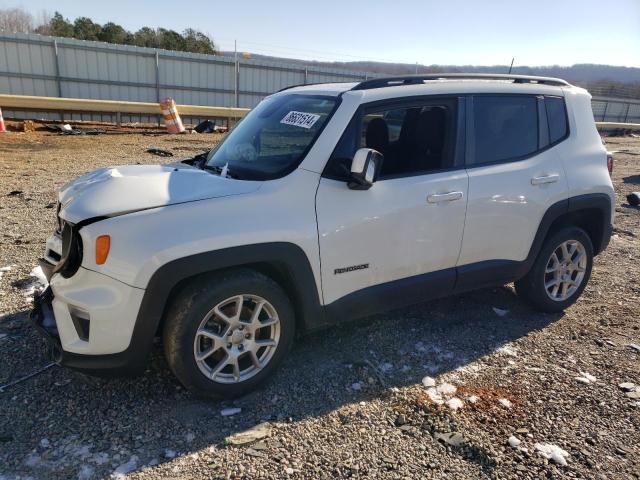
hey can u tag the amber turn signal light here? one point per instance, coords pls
(103, 243)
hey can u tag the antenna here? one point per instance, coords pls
(510, 67)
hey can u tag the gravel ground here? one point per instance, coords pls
(348, 402)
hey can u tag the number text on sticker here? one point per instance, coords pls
(300, 119)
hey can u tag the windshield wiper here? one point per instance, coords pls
(218, 169)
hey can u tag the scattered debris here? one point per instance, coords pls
(507, 350)
(454, 439)
(429, 382)
(230, 411)
(260, 431)
(586, 378)
(634, 198)
(159, 152)
(635, 346)
(454, 403)
(67, 129)
(206, 126)
(14, 193)
(26, 377)
(446, 389)
(514, 442)
(500, 312)
(125, 468)
(553, 452)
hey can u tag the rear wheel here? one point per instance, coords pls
(560, 272)
(226, 333)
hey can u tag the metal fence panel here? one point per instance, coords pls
(46, 66)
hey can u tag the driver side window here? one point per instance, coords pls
(414, 139)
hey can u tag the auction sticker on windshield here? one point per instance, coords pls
(300, 119)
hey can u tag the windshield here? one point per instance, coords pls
(273, 138)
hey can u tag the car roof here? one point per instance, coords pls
(438, 84)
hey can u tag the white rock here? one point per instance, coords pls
(500, 312)
(454, 403)
(553, 452)
(507, 350)
(429, 382)
(289, 471)
(251, 435)
(627, 386)
(189, 437)
(590, 378)
(100, 458)
(230, 411)
(583, 380)
(86, 472)
(446, 389)
(386, 367)
(434, 396)
(168, 453)
(473, 399)
(514, 442)
(356, 386)
(635, 346)
(44, 443)
(505, 403)
(125, 468)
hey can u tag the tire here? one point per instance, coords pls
(532, 286)
(195, 325)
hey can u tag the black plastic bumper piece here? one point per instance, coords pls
(125, 364)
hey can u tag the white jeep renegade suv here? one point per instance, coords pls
(328, 202)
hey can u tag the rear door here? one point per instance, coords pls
(407, 228)
(514, 176)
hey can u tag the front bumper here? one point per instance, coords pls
(106, 346)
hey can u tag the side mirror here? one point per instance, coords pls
(365, 167)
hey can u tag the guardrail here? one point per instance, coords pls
(62, 105)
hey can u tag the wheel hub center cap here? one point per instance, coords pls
(237, 337)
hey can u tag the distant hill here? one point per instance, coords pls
(600, 79)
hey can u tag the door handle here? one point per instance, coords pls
(444, 197)
(545, 179)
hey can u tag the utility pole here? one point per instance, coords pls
(512, 59)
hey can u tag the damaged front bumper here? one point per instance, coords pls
(85, 319)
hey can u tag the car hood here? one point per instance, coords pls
(115, 191)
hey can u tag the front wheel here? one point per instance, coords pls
(560, 272)
(225, 333)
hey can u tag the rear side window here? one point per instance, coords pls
(556, 118)
(505, 127)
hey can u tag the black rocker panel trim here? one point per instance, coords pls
(391, 295)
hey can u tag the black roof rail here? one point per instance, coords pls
(305, 85)
(420, 78)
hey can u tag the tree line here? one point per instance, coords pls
(83, 28)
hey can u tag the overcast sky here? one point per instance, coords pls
(477, 32)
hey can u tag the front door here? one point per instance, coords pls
(407, 228)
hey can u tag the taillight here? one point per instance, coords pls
(610, 163)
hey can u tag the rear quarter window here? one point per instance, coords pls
(556, 118)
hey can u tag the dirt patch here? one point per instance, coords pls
(334, 405)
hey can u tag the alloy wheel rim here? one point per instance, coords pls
(565, 270)
(237, 339)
